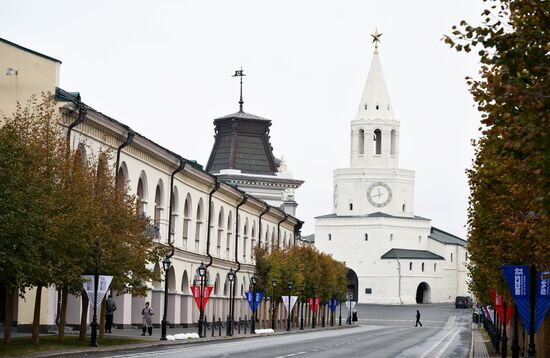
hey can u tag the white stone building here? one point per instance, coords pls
(212, 222)
(394, 256)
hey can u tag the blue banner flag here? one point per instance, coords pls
(517, 277)
(254, 303)
(543, 297)
(332, 304)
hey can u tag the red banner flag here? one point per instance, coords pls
(499, 307)
(314, 303)
(206, 291)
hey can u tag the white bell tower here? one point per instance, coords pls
(374, 182)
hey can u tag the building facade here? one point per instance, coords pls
(394, 256)
(212, 222)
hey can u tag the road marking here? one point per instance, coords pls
(291, 355)
(440, 353)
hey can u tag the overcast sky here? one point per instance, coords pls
(164, 68)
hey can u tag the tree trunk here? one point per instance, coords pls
(36, 317)
(102, 318)
(83, 317)
(62, 316)
(8, 316)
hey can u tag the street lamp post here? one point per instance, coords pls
(289, 285)
(350, 297)
(531, 351)
(273, 284)
(323, 307)
(515, 343)
(254, 280)
(166, 263)
(314, 313)
(340, 315)
(230, 278)
(331, 312)
(202, 273)
(302, 298)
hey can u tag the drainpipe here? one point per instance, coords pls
(279, 230)
(216, 187)
(245, 198)
(399, 280)
(128, 141)
(178, 169)
(82, 111)
(267, 208)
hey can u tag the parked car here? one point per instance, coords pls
(463, 302)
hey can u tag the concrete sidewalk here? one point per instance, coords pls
(478, 349)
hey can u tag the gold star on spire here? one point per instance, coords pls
(376, 38)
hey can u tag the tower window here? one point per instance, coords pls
(377, 141)
(361, 142)
(388, 107)
(404, 207)
(377, 107)
(329, 237)
(350, 207)
(410, 266)
(366, 237)
(435, 267)
(393, 141)
(365, 106)
(391, 237)
(451, 257)
(419, 239)
(422, 267)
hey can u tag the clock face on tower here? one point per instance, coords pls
(379, 194)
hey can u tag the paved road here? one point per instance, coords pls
(383, 331)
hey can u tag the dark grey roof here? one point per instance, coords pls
(28, 50)
(446, 238)
(411, 254)
(243, 115)
(372, 215)
(242, 142)
(309, 238)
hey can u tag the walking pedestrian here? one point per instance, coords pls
(418, 319)
(354, 316)
(147, 313)
(109, 314)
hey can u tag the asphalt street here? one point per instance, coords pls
(383, 331)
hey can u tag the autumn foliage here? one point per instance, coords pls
(321, 275)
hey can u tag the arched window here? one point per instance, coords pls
(221, 223)
(422, 267)
(122, 177)
(229, 234)
(212, 225)
(245, 237)
(377, 141)
(142, 195)
(393, 141)
(253, 240)
(419, 239)
(185, 283)
(391, 237)
(361, 142)
(198, 225)
(174, 214)
(435, 266)
(404, 207)
(80, 156)
(186, 220)
(410, 266)
(159, 204)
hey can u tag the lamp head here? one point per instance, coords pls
(274, 282)
(254, 279)
(289, 284)
(166, 263)
(202, 270)
(231, 275)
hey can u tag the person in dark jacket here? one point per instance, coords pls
(354, 316)
(109, 314)
(418, 319)
(147, 313)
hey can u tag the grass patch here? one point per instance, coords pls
(22, 346)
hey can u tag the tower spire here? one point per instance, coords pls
(240, 73)
(376, 40)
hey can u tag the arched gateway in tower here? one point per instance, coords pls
(397, 256)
